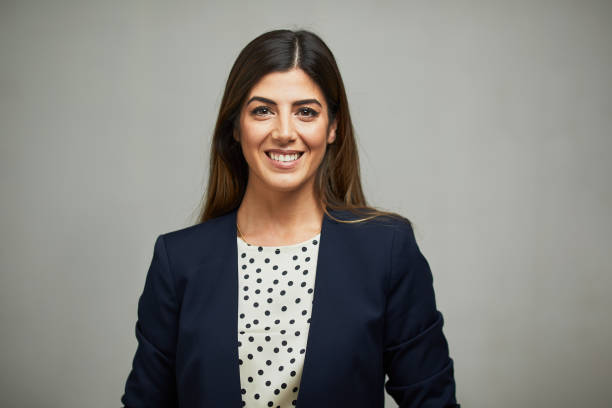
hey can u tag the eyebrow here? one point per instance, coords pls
(296, 103)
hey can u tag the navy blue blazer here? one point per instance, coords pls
(373, 313)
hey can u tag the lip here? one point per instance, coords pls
(284, 165)
(280, 151)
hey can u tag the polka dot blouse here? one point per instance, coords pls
(276, 287)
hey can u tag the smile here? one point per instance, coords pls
(284, 158)
(284, 161)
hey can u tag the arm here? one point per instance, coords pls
(416, 356)
(152, 381)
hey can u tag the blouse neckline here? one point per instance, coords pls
(272, 247)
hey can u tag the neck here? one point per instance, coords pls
(268, 217)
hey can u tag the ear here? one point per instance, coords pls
(331, 134)
(236, 134)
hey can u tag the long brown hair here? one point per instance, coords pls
(338, 181)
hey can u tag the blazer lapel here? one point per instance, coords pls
(322, 321)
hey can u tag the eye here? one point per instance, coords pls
(308, 112)
(261, 111)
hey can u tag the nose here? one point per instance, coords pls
(284, 131)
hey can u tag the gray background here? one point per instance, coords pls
(486, 123)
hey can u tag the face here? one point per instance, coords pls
(284, 131)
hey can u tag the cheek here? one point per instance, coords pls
(315, 137)
(253, 135)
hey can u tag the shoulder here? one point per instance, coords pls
(196, 242)
(382, 236)
(383, 223)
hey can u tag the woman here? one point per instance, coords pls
(290, 290)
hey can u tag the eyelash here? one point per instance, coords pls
(310, 113)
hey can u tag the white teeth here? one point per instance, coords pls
(284, 157)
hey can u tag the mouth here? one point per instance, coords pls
(284, 158)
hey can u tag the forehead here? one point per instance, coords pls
(287, 86)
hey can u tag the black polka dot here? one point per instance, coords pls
(304, 249)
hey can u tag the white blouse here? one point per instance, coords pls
(276, 287)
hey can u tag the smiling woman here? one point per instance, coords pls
(290, 290)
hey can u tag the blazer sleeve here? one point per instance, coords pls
(152, 380)
(416, 357)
